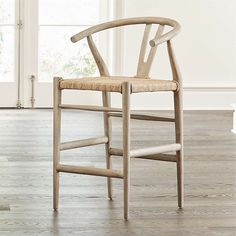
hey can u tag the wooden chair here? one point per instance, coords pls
(126, 86)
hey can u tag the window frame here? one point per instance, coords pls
(30, 49)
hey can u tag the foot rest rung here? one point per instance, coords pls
(90, 108)
(155, 150)
(147, 152)
(157, 157)
(144, 117)
(83, 143)
(89, 171)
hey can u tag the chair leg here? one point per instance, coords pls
(107, 130)
(56, 140)
(179, 139)
(126, 144)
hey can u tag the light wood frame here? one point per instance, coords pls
(160, 153)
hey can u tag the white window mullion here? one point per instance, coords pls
(19, 52)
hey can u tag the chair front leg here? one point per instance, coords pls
(56, 139)
(126, 90)
(106, 97)
(179, 139)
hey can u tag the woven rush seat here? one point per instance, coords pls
(114, 84)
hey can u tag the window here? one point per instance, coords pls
(57, 55)
(7, 40)
(42, 49)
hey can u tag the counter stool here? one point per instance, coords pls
(107, 84)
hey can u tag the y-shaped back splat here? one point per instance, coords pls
(97, 57)
(144, 67)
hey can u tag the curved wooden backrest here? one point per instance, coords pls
(143, 67)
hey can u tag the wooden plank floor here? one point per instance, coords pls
(26, 178)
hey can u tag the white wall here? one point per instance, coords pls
(205, 49)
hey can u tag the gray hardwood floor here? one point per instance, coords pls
(26, 178)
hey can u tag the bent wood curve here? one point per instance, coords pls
(131, 21)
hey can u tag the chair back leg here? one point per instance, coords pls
(126, 144)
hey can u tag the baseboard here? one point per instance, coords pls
(234, 118)
(209, 87)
